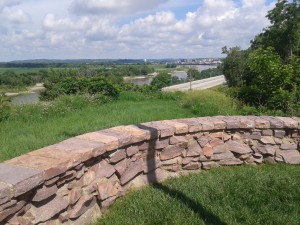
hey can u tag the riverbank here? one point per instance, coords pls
(36, 88)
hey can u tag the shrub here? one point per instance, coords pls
(5, 108)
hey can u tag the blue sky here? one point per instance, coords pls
(32, 29)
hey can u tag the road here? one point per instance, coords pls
(197, 85)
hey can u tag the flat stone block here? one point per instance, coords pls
(21, 178)
(193, 124)
(180, 128)
(238, 148)
(44, 193)
(124, 138)
(170, 152)
(289, 122)
(137, 134)
(5, 193)
(274, 122)
(51, 167)
(218, 124)
(132, 170)
(46, 211)
(207, 125)
(230, 162)
(111, 143)
(87, 149)
(163, 129)
(222, 156)
(290, 156)
(231, 122)
(245, 122)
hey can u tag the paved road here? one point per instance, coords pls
(197, 85)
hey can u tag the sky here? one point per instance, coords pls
(131, 29)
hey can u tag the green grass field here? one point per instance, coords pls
(267, 194)
(34, 126)
(19, 70)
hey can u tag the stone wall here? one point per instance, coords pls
(74, 181)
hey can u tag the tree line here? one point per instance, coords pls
(267, 74)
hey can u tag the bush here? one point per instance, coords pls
(5, 108)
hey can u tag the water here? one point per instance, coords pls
(23, 99)
(183, 74)
(139, 80)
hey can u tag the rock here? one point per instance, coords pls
(44, 192)
(192, 166)
(103, 169)
(88, 178)
(5, 193)
(75, 195)
(238, 148)
(209, 165)
(170, 152)
(267, 150)
(46, 210)
(89, 217)
(279, 133)
(84, 203)
(208, 151)
(177, 160)
(255, 136)
(180, 128)
(289, 122)
(269, 160)
(178, 139)
(106, 189)
(194, 149)
(151, 164)
(130, 151)
(220, 149)
(107, 202)
(160, 144)
(63, 217)
(290, 156)
(117, 156)
(120, 167)
(11, 210)
(21, 178)
(230, 162)
(9, 204)
(204, 140)
(267, 132)
(267, 140)
(163, 129)
(222, 156)
(133, 169)
(290, 146)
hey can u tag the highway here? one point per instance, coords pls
(197, 85)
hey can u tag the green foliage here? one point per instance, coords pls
(99, 86)
(163, 79)
(5, 108)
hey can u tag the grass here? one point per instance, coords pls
(34, 126)
(19, 70)
(268, 194)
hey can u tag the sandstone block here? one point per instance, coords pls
(87, 149)
(204, 140)
(289, 122)
(261, 123)
(206, 124)
(267, 150)
(44, 192)
(173, 161)
(11, 210)
(88, 178)
(170, 152)
(267, 140)
(178, 139)
(220, 149)
(279, 133)
(117, 156)
(288, 146)
(274, 122)
(192, 166)
(46, 210)
(5, 193)
(193, 124)
(160, 144)
(120, 167)
(180, 128)
(133, 170)
(9, 204)
(255, 136)
(290, 156)
(103, 169)
(194, 149)
(238, 148)
(75, 195)
(209, 165)
(267, 132)
(164, 130)
(231, 122)
(245, 122)
(208, 151)
(106, 189)
(137, 134)
(90, 216)
(218, 124)
(123, 138)
(85, 202)
(222, 156)
(22, 179)
(151, 164)
(230, 162)
(130, 151)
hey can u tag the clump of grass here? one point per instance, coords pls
(267, 194)
(209, 102)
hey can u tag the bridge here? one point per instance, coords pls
(197, 85)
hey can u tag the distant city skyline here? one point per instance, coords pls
(128, 29)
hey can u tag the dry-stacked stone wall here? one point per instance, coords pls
(76, 180)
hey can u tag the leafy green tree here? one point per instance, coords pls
(163, 79)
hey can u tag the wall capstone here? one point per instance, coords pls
(76, 180)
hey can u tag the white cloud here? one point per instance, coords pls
(113, 7)
(17, 16)
(7, 3)
(66, 24)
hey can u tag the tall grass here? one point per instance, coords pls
(268, 194)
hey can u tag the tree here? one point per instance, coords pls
(163, 79)
(284, 32)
